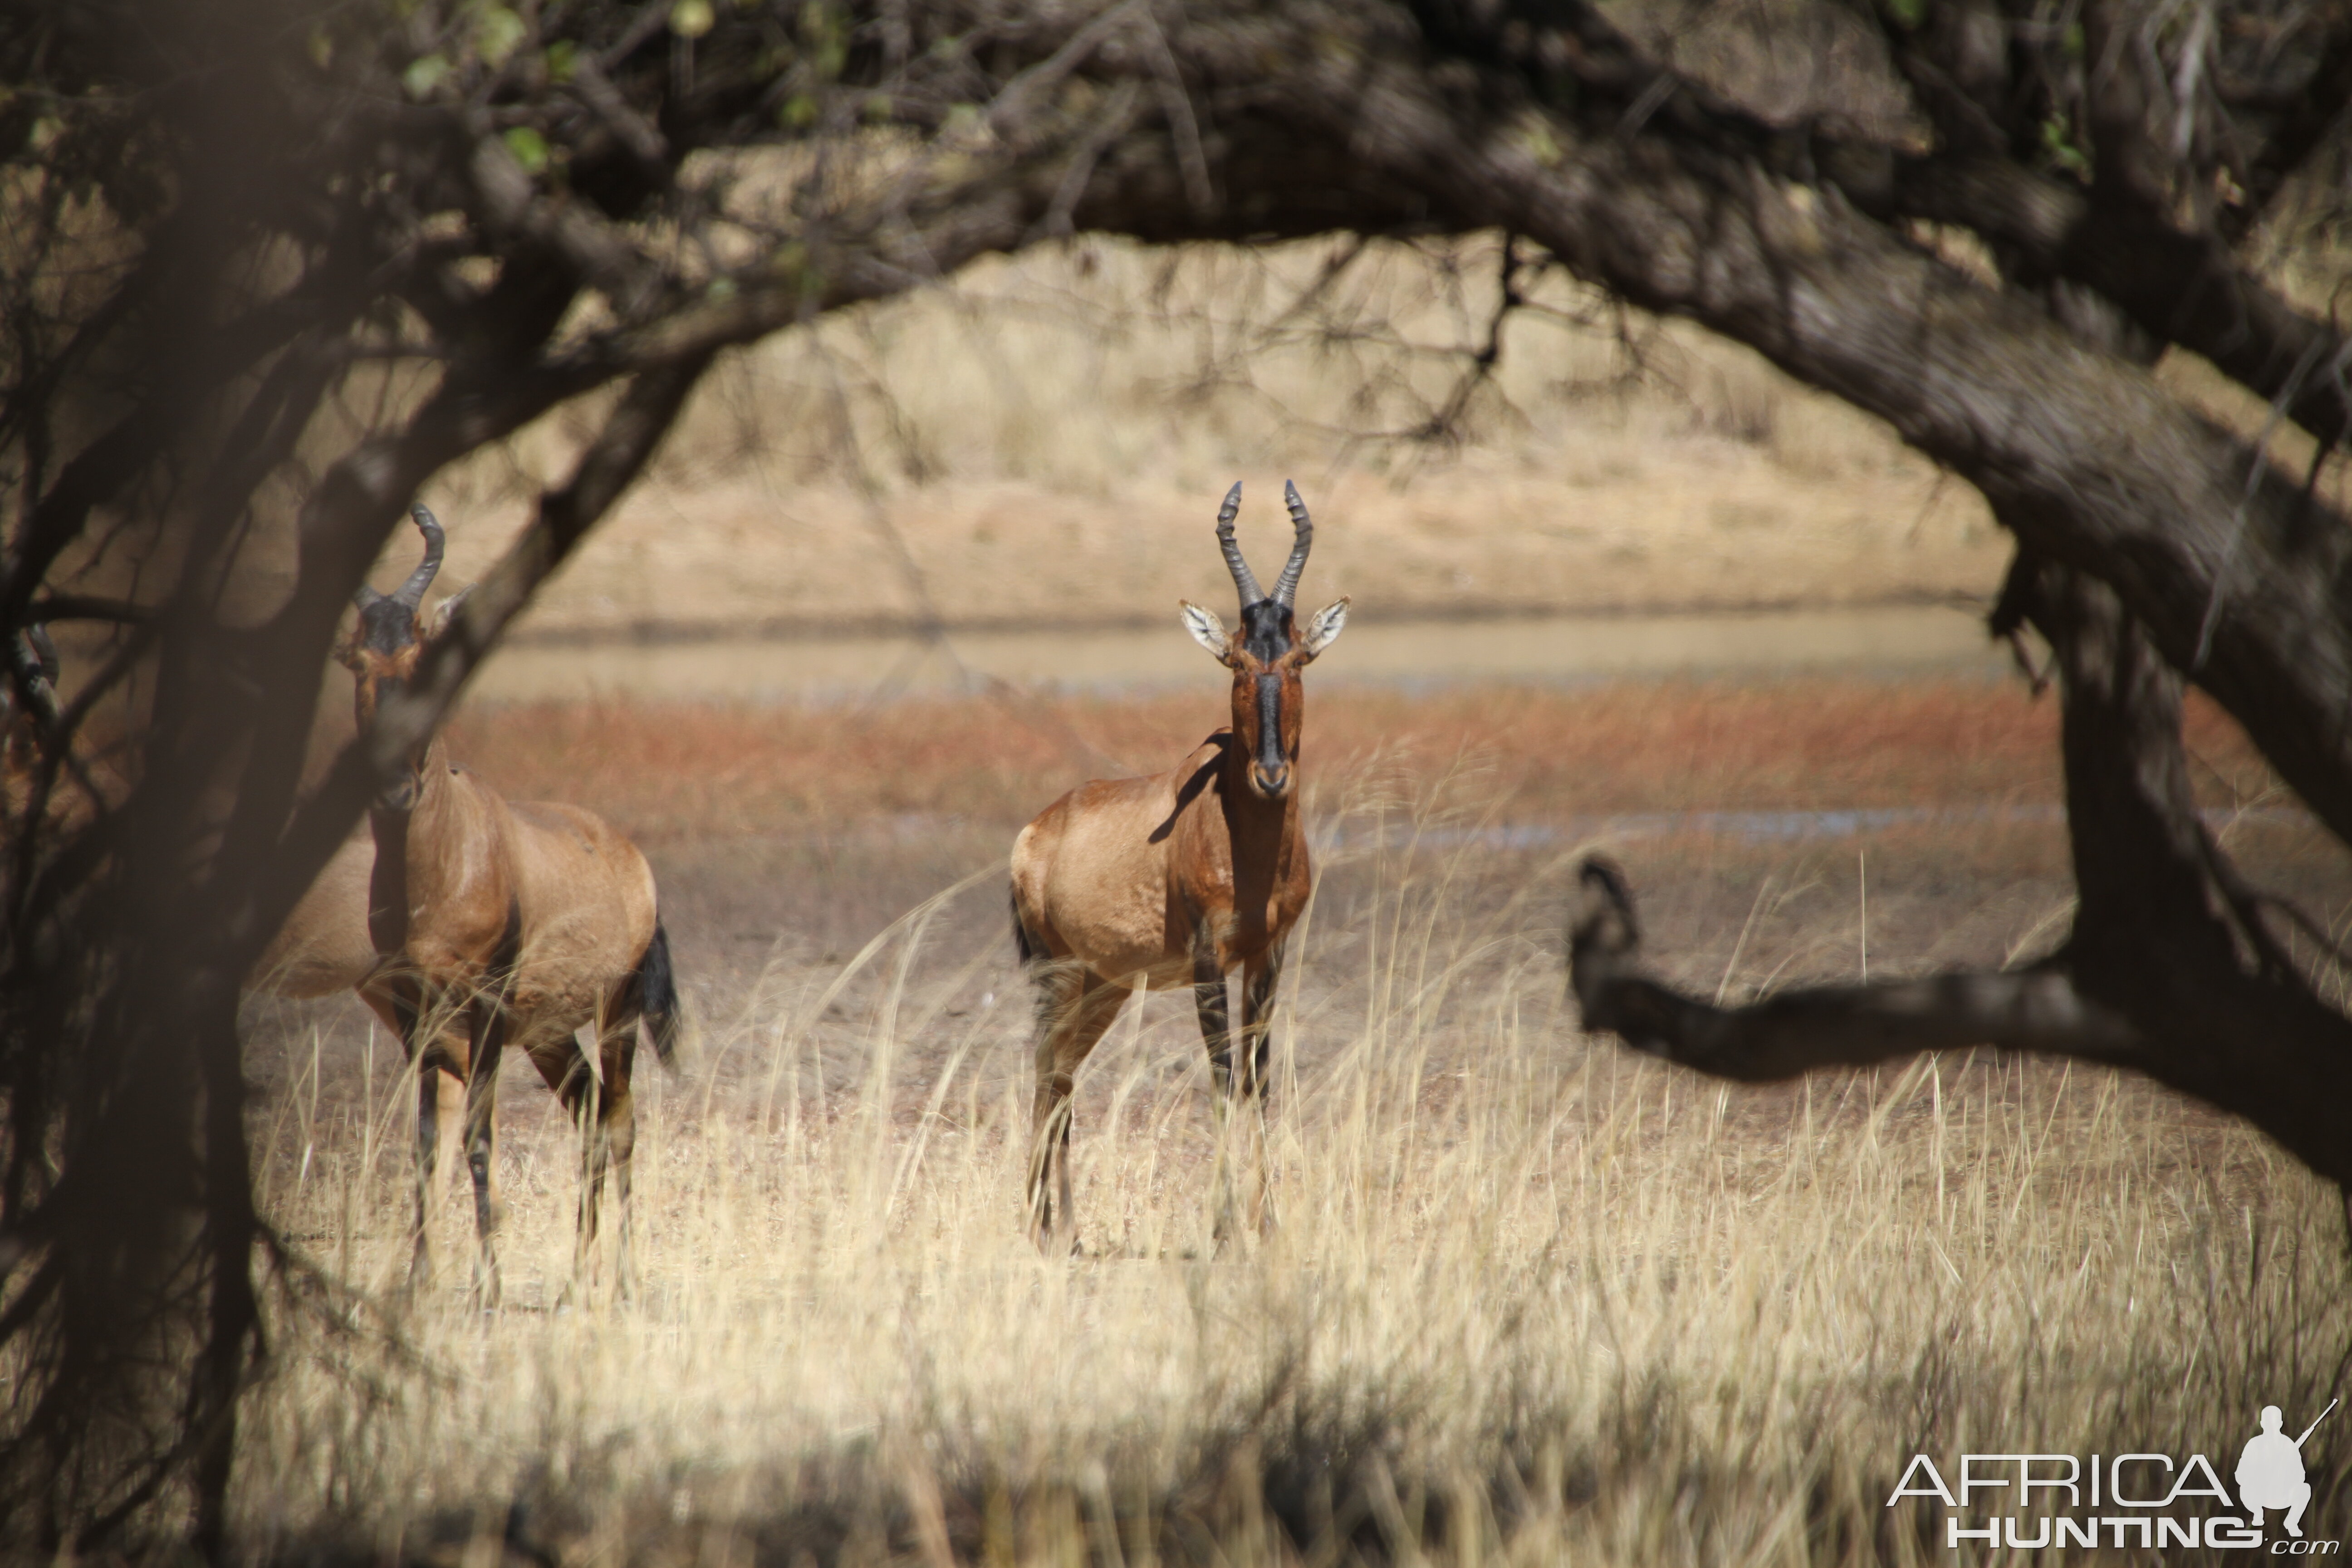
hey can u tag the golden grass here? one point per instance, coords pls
(1530, 1300)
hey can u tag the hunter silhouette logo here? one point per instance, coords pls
(2270, 1471)
(2033, 1501)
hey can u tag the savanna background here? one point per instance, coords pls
(898, 581)
(902, 569)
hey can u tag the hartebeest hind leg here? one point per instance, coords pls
(1074, 1008)
(605, 1114)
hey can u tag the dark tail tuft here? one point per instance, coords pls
(658, 996)
(1028, 946)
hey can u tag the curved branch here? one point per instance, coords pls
(1798, 1031)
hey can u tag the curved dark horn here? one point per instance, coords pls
(366, 597)
(412, 593)
(1285, 587)
(1243, 577)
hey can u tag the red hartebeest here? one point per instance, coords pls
(1178, 878)
(526, 920)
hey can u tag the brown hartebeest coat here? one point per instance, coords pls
(323, 948)
(1178, 878)
(526, 920)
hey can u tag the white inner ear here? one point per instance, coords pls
(1207, 629)
(1324, 629)
(447, 611)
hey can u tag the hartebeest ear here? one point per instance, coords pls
(1207, 630)
(447, 611)
(1323, 630)
(346, 651)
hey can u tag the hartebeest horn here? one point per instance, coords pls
(412, 593)
(1243, 577)
(1285, 587)
(36, 659)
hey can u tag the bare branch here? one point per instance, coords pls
(1800, 1030)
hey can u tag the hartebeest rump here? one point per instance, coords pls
(526, 920)
(1178, 878)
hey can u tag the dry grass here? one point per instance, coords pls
(1531, 1300)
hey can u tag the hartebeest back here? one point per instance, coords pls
(526, 920)
(1179, 878)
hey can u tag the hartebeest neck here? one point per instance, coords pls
(394, 825)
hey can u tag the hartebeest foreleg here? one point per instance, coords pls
(489, 1050)
(1242, 1092)
(1258, 982)
(1075, 1007)
(440, 1101)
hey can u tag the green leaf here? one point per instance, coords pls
(322, 48)
(2059, 144)
(1908, 13)
(691, 19)
(497, 31)
(424, 73)
(562, 60)
(528, 147)
(797, 112)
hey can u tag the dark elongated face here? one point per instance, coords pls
(1266, 655)
(381, 653)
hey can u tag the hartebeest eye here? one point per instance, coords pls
(1323, 628)
(1207, 630)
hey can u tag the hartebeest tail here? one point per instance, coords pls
(658, 996)
(526, 920)
(1179, 878)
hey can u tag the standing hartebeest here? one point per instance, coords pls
(526, 920)
(1176, 878)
